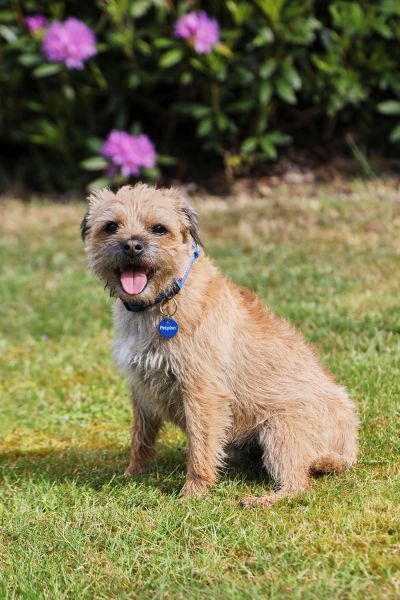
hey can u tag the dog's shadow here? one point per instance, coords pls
(104, 466)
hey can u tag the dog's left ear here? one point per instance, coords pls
(192, 221)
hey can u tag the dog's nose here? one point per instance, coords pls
(133, 247)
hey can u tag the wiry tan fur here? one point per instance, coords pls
(235, 372)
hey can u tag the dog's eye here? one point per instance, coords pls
(111, 227)
(159, 229)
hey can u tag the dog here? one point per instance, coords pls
(224, 368)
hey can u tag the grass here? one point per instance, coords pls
(71, 527)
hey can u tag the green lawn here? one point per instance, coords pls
(72, 527)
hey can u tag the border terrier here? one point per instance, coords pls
(224, 368)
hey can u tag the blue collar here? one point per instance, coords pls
(173, 289)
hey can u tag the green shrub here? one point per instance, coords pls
(284, 70)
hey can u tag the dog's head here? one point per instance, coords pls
(139, 239)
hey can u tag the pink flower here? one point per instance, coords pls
(70, 42)
(35, 23)
(199, 29)
(129, 152)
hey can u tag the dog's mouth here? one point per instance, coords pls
(134, 280)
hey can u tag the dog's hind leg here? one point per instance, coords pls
(287, 457)
(343, 448)
(329, 463)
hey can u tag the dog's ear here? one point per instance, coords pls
(95, 197)
(85, 227)
(192, 221)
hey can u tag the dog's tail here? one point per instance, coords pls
(330, 463)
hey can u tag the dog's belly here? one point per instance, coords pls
(158, 394)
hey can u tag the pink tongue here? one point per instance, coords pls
(133, 282)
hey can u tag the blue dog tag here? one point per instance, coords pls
(168, 328)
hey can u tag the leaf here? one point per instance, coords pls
(170, 58)
(151, 173)
(140, 8)
(69, 92)
(382, 28)
(271, 8)
(204, 127)
(285, 91)
(265, 92)
(245, 76)
(240, 11)
(186, 78)
(190, 108)
(28, 60)
(163, 43)
(241, 105)
(133, 80)
(265, 36)
(322, 64)
(395, 134)
(98, 183)
(144, 47)
(267, 68)
(94, 144)
(389, 107)
(34, 106)
(8, 34)
(198, 65)
(278, 138)
(268, 147)
(199, 111)
(7, 16)
(222, 122)
(218, 66)
(96, 163)
(291, 75)
(223, 50)
(47, 70)
(164, 159)
(135, 128)
(249, 145)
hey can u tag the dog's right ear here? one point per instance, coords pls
(85, 227)
(95, 197)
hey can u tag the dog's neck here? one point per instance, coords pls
(174, 288)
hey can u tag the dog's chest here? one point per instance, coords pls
(152, 370)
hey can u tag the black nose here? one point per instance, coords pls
(133, 247)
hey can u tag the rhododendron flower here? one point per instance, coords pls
(199, 29)
(35, 23)
(70, 42)
(129, 152)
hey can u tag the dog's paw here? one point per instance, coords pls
(267, 500)
(195, 488)
(274, 497)
(132, 470)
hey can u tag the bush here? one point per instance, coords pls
(281, 70)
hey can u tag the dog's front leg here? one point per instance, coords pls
(144, 431)
(207, 412)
